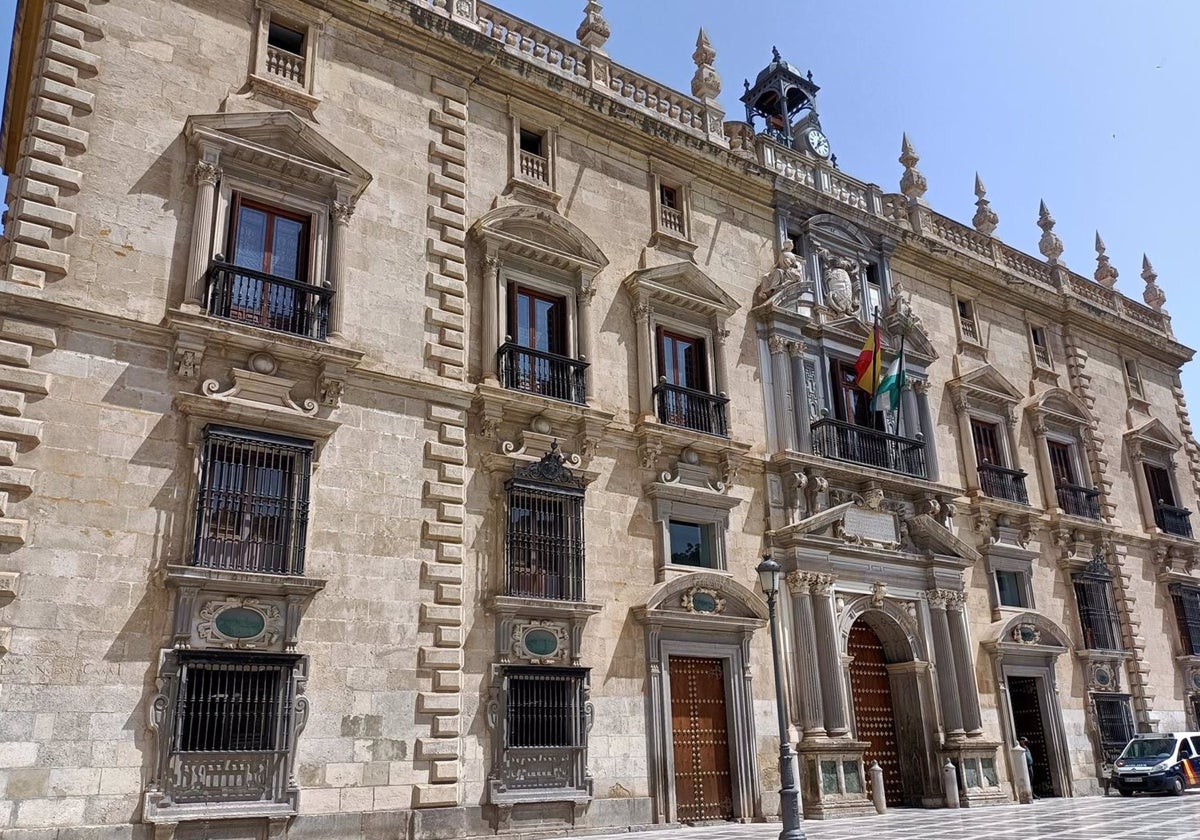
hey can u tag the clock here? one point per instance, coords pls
(817, 142)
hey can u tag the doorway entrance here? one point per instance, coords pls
(1025, 694)
(871, 690)
(700, 740)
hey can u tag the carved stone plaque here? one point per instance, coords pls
(870, 526)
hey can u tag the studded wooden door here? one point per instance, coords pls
(700, 738)
(872, 693)
(1026, 702)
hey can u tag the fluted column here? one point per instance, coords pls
(920, 391)
(207, 174)
(800, 414)
(781, 375)
(808, 677)
(645, 360)
(583, 306)
(833, 696)
(964, 668)
(339, 218)
(491, 316)
(947, 677)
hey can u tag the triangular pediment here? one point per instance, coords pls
(1155, 433)
(987, 385)
(281, 143)
(682, 285)
(540, 235)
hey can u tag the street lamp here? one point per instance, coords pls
(789, 795)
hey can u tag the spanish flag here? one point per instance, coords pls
(867, 366)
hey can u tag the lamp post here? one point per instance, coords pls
(789, 795)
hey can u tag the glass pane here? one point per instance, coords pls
(690, 544)
(1009, 586)
(989, 772)
(250, 239)
(286, 248)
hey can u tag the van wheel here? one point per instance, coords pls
(1176, 786)
(1125, 792)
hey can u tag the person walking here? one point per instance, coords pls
(1024, 742)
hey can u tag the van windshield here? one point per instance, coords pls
(1150, 748)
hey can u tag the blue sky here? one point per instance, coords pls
(1087, 104)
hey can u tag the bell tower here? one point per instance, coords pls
(787, 102)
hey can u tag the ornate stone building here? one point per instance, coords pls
(396, 398)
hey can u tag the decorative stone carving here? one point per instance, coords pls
(985, 219)
(1106, 274)
(1153, 293)
(788, 281)
(251, 387)
(1104, 676)
(206, 173)
(1050, 245)
(540, 642)
(706, 83)
(912, 182)
(700, 599)
(879, 593)
(187, 361)
(593, 32)
(1026, 633)
(239, 622)
(648, 454)
(839, 277)
(341, 213)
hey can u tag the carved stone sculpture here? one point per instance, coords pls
(788, 275)
(839, 276)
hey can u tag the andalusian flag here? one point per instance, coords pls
(891, 384)
(867, 366)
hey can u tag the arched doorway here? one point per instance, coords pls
(875, 720)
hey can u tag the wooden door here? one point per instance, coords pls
(872, 692)
(1026, 702)
(699, 733)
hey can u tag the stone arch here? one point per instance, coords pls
(891, 621)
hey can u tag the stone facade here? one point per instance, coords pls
(532, 360)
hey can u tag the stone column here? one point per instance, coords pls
(491, 316)
(335, 279)
(1041, 448)
(721, 373)
(964, 669)
(920, 391)
(808, 677)
(645, 360)
(781, 375)
(800, 413)
(583, 304)
(833, 697)
(947, 677)
(207, 175)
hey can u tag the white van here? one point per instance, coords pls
(1158, 761)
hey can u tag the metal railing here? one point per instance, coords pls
(1173, 520)
(862, 445)
(286, 65)
(688, 408)
(1078, 501)
(537, 372)
(535, 167)
(671, 219)
(543, 545)
(265, 300)
(1003, 483)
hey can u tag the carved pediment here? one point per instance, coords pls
(541, 235)
(1061, 408)
(281, 143)
(703, 597)
(683, 286)
(927, 534)
(985, 387)
(1153, 435)
(1027, 633)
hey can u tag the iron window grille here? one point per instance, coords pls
(232, 729)
(1187, 615)
(545, 708)
(1097, 611)
(544, 543)
(1114, 720)
(252, 508)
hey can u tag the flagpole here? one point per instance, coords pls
(875, 367)
(900, 385)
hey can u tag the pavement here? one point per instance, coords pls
(1083, 818)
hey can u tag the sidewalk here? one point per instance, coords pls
(1086, 818)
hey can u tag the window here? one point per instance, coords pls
(1168, 516)
(1187, 616)
(852, 404)
(968, 327)
(1041, 348)
(683, 394)
(1072, 495)
(1097, 610)
(535, 356)
(533, 156)
(1133, 380)
(996, 478)
(1012, 588)
(545, 708)
(543, 545)
(285, 52)
(1115, 722)
(873, 300)
(532, 162)
(252, 508)
(285, 58)
(691, 544)
(230, 728)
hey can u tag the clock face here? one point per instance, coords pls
(818, 142)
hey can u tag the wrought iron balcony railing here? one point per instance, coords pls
(265, 300)
(538, 372)
(691, 409)
(870, 447)
(1079, 501)
(1173, 520)
(1003, 483)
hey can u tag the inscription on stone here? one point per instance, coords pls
(871, 526)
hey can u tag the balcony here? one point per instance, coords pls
(1003, 483)
(537, 372)
(671, 219)
(535, 167)
(1078, 501)
(1173, 520)
(691, 409)
(286, 65)
(862, 445)
(268, 301)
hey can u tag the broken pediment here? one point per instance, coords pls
(930, 536)
(683, 286)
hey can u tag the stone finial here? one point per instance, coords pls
(1106, 274)
(593, 32)
(1050, 245)
(706, 84)
(912, 182)
(985, 220)
(1153, 295)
